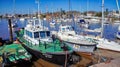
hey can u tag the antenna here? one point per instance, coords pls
(102, 18)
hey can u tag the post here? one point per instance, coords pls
(10, 30)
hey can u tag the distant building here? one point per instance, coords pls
(91, 13)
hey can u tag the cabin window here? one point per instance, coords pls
(71, 28)
(30, 34)
(67, 29)
(36, 22)
(63, 29)
(48, 33)
(26, 32)
(36, 34)
(42, 34)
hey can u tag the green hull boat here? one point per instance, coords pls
(40, 43)
(12, 53)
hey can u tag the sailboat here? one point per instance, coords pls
(52, 23)
(77, 42)
(118, 33)
(22, 19)
(83, 23)
(102, 42)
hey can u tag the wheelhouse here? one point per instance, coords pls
(66, 28)
(37, 34)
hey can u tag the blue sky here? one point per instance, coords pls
(23, 6)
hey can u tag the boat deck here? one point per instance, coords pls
(50, 47)
(10, 48)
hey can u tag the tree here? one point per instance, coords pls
(99, 14)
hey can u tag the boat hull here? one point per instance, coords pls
(118, 35)
(82, 48)
(54, 58)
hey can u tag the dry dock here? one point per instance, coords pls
(87, 60)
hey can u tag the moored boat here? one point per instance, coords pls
(78, 42)
(12, 53)
(118, 33)
(37, 40)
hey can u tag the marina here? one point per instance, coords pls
(51, 37)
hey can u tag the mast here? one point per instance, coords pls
(118, 6)
(38, 7)
(38, 4)
(13, 8)
(69, 5)
(87, 7)
(102, 18)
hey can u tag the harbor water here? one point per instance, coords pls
(110, 31)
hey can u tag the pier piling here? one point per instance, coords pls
(10, 30)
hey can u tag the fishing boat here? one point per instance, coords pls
(83, 23)
(52, 24)
(22, 19)
(12, 53)
(78, 42)
(37, 40)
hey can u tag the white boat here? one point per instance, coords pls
(22, 19)
(83, 23)
(94, 20)
(52, 24)
(102, 42)
(94, 30)
(110, 45)
(118, 33)
(77, 42)
(106, 44)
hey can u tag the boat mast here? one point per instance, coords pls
(118, 7)
(14, 8)
(102, 18)
(38, 7)
(87, 7)
(38, 4)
